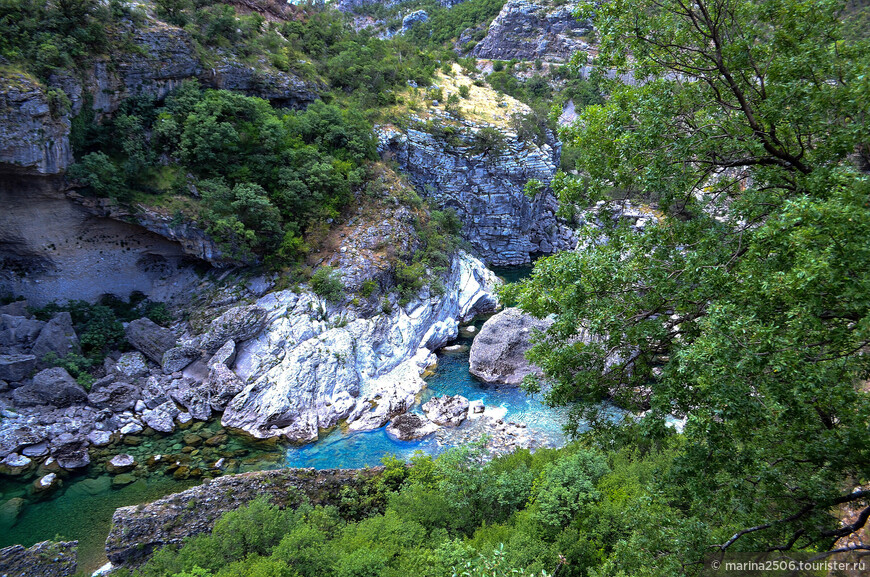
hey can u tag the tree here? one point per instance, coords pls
(743, 307)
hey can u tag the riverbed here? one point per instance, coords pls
(82, 507)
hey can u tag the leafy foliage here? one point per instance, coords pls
(742, 306)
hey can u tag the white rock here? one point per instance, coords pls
(131, 428)
(304, 376)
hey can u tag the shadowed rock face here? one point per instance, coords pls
(526, 30)
(498, 352)
(138, 531)
(500, 221)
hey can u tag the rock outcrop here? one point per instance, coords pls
(34, 137)
(137, 531)
(526, 30)
(409, 426)
(485, 188)
(498, 352)
(46, 559)
(308, 371)
(446, 410)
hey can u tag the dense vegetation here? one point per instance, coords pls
(548, 513)
(744, 306)
(262, 174)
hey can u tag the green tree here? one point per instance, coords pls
(743, 307)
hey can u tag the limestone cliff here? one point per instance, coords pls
(501, 222)
(313, 367)
(526, 30)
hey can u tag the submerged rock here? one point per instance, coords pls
(46, 483)
(121, 463)
(14, 464)
(498, 352)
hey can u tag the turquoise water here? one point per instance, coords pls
(82, 508)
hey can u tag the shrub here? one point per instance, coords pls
(464, 91)
(326, 282)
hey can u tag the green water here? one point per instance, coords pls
(82, 507)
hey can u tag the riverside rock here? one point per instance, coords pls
(304, 375)
(498, 352)
(57, 337)
(50, 387)
(120, 463)
(225, 355)
(149, 338)
(117, 397)
(176, 358)
(446, 410)
(237, 324)
(16, 367)
(45, 559)
(410, 426)
(138, 530)
(71, 451)
(131, 365)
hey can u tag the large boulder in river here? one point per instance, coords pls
(498, 352)
(50, 387)
(238, 324)
(150, 338)
(447, 410)
(410, 426)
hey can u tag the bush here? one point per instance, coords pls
(326, 282)
(464, 91)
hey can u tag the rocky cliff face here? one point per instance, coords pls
(526, 30)
(500, 221)
(33, 137)
(55, 249)
(311, 369)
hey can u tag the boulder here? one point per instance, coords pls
(50, 387)
(18, 333)
(446, 410)
(222, 385)
(121, 463)
(15, 309)
(162, 417)
(57, 337)
(413, 18)
(46, 483)
(224, 355)
(15, 464)
(176, 358)
(37, 450)
(9, 512)
(14, 438)
(149, 338)
(123, 480)
(117, 397)
(131, 365)
(476, 407)
(100, 438)
(237, 324)
(71, 451)
(16, 367)
(498, 352)
(192, 396)
(46, 559)
(132, 428)
(410, 426)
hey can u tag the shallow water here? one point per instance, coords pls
(82, 508)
